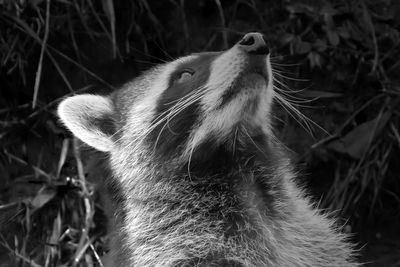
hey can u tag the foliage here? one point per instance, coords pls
(49, 49)
(354, 46)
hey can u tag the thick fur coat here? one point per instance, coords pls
(197, 176)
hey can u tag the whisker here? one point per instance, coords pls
(278, 73)
(279, 119)
(176, 109)
(172, 114)
(285, 65)
(162, 117)
(307, 121)
(289, 110)
(164, 51)
(254, 143)
(293, 99)
(287, 87)
(282, 69)
(147, 55)
(288, 102)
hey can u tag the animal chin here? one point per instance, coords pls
(252, 83)
(255, 80)
(249, 83)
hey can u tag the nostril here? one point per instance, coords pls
(254, 43)
(247, 40)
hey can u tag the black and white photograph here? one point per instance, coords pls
(204, 133)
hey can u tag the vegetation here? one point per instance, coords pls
(348, 144)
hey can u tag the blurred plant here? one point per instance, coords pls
(352, 45)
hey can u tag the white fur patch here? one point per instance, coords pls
(79, 112)
(223, 73)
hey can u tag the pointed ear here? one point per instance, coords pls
(89, 117)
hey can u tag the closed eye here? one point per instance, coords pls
(184, 76)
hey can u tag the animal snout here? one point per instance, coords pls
(254, 43)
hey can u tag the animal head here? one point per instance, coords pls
(174, 107)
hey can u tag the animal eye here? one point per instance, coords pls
(184, 76)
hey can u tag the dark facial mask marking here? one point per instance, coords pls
(173, 134)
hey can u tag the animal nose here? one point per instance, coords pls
(254, 43)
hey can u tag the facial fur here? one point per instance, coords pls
(227, 90)
(201, 180)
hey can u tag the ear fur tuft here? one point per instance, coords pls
(83, 115)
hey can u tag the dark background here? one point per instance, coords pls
(338, 63)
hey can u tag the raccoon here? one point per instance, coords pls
(196, 174)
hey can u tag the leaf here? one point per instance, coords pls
(367, 19)
(286, 38)
(63, 156)
(333, 38)
(320, 45)
(56, 233)
(53, 239)
(108, 7)
(315, 59)
(41, 198)
(357, 142)
(343, 32)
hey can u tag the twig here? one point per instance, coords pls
(368, 20)
(82, 251)
(63, 156)
(60, 71)
(80, 66)
(395, 133)
(103, 27)
(21, 25)
(222, 17)
(158, 26)
(210, 41)
(39, 69)
(108, 7)
(96, 255)
(22, 257)
(185, 26)
(22, 106)
(72, 34)
(19, 160)
(55, 101)
(83, 243)
(349, 119)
